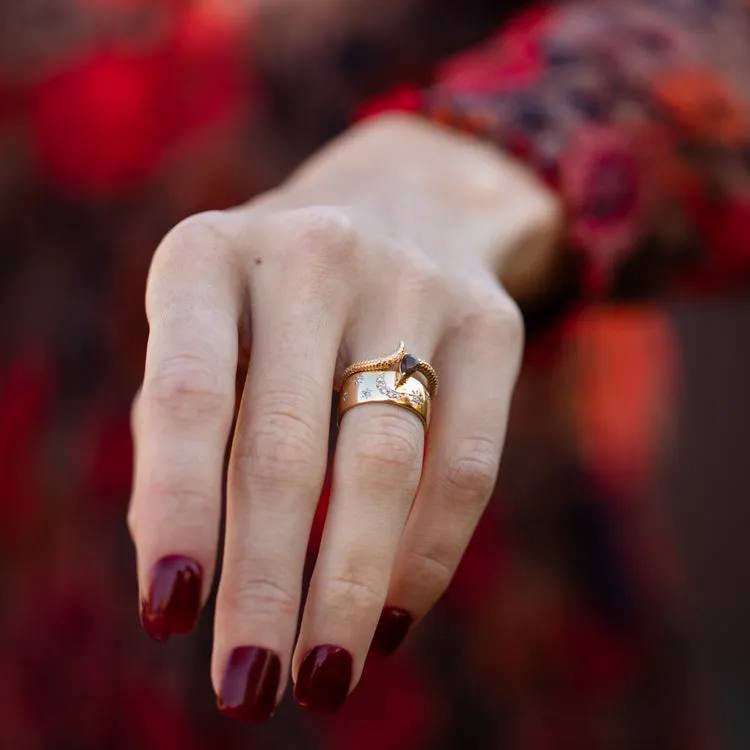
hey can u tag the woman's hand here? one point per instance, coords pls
(399, 231)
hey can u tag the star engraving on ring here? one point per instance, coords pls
(345, 396)
(366, 393)
(359, 379)
(416, 398)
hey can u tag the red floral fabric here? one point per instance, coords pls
(637, 112)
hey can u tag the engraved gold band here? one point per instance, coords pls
(406, 365)
(386, 387)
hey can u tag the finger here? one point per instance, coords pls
(479, 368)
(181, 422)
(376, 472)
(279, 456)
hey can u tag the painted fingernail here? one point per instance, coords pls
(392, 628)
(250, 683)
(323, 679)
(174, 597)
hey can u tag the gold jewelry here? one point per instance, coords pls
(382, 386)
(405, 364)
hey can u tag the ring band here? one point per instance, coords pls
(387, 387)
(407, 365)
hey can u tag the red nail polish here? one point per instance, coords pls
(392, 628)
(250, 683)
(174, 597)
(323, 679)
(150, 628)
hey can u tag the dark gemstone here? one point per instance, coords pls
(409, 363)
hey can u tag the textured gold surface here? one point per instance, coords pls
(394, 360)
(381, 363)
(380, 386)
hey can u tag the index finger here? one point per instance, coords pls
(184, 415)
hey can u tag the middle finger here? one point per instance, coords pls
(278, 459)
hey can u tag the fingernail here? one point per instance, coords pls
(323, 679)
(174, 597)
(392, 628)
(150, 628)
(250, 683)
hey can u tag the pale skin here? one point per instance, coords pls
(400, 230)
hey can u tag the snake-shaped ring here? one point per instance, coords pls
(390, 379)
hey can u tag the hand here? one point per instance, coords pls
(396, 232)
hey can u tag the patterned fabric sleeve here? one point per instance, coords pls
(638, 112)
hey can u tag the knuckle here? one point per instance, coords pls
(183, 255)
(500, 322)
(261, 595)
(470, 472)
(181, 500)
(390, 446)
(193, 237)
(282, 449)
(285, 446)
(188, 389)
(195, 233)
(318, 237)
(354, 593)
(433, 567)
(495, 323)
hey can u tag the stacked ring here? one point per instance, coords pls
(406, 364)
(393, 380)
(384, 386)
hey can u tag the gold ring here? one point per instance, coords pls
(385, 387)
(392, 380)
(407, 365)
